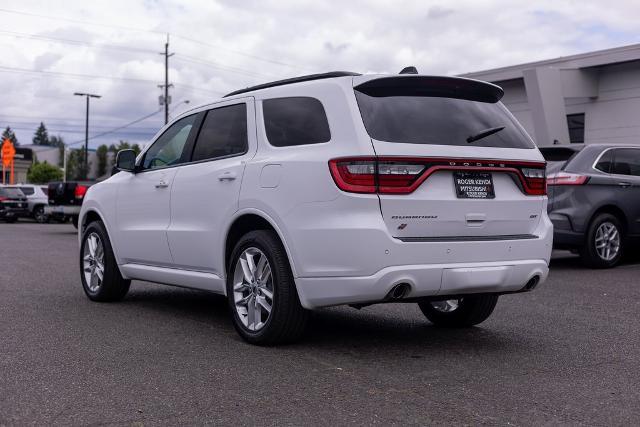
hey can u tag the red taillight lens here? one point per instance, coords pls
(565, 178)
(80, 191)
(354, 175)
(3, 198)
(398, 177)
(536, 181)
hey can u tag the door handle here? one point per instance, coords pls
(624, 184)
(227, 176)
(162, 184)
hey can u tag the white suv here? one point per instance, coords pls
(325, 190)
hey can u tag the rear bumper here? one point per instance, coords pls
(564, 235)
(423, 280)
(13, 212)
(62, 210)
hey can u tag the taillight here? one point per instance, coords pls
(2, 199)
(80, 191)
(399, 175)
(354, 175)
(565, 178)
(536, 181)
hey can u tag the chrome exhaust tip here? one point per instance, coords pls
(399, 291)
(532, 283)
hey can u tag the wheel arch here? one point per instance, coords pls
(250, 220)
(90, 215)
(612, 210)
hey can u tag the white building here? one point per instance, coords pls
(592, 97)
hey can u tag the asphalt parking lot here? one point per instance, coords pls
(567, 353)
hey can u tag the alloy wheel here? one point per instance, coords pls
(39, 215)
(446, 306)
(607, 241)
(93, 262)
(253, 289)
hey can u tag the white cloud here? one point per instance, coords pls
(248, 42)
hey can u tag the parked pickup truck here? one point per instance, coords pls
(65, 200)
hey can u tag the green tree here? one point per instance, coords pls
(9, 134)
(75, 160)
(41, 137)
(122, 145)
(42, 173)
(101, 154)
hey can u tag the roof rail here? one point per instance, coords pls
(310, 77)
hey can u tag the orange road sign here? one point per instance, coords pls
(8, 153)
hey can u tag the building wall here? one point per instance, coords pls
(611, 117)
(515, 99)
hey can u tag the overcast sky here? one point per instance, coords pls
(51, 49)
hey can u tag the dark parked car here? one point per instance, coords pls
(594, 200)
(13, 204)
(65, 200)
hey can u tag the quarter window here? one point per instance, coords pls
(28, 191)
(168, 149)
(604, 164)
(295, 121)
(626, 162)
(223, 133)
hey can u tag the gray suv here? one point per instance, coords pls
(594, 200)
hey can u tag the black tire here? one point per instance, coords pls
(471, 311)
(11, 220)
(287, 319)
(589, 254)
(39, 215)
(74, 221)
(113, 287)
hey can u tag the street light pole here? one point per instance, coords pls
(85, 171)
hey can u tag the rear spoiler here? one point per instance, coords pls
(432, 86)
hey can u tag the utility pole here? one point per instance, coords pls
(166, 99)
(85, 169)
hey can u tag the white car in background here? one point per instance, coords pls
(37, 200)
(327, 190)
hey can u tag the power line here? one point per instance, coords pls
(184, 58)
(121, 27)
(114, 130)
(77, 21)
(218, 66)
(60, 74)
(38, 37)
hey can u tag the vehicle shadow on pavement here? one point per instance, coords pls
(377, 330)
(373, 328)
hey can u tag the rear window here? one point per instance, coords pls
(295, 121)
(11, 192)
(436, 119)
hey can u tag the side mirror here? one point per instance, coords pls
(126, 160)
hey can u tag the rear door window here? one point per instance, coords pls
(427, 114)
(626, 162)
(223, 133)
(295, 121)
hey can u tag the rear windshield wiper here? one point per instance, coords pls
(484, 134)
